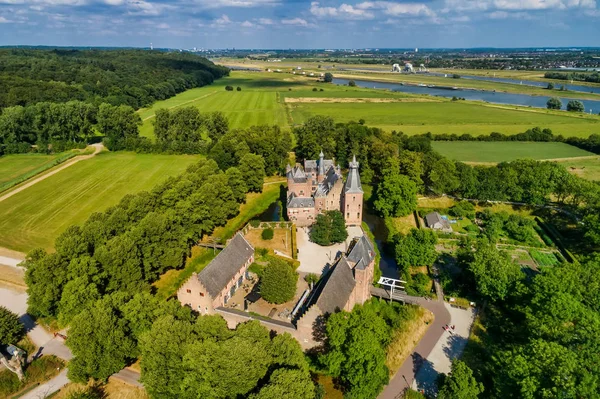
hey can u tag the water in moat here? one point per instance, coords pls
(477, 95)
(272, 213)
(387, 264)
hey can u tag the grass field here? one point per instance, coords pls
(588, 168)
(263, 101)
(37, 215)
(447, 117)
(480, 151)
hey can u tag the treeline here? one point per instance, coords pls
(119, 77)
(49, 126)
(578, 76)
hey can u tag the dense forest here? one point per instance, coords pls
(118, 77)
(578, 76)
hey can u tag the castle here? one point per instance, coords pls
(319, 187)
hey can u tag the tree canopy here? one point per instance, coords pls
(278, 282)
(329, 228)
(11, 328)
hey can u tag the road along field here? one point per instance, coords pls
(500, 151)
(36, 216)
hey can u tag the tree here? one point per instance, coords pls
(267, 234)
(11, 328)
(229, 88)
(278, 283)
(239, 88)
(45, 276)
(575, 106)
(253, 169)
(118, 122)
(77, 295)
(417, 248)
(238, 185)
(100, 340)
(328, 77)
(550, 86)
(329, 228)
(554, 103)
(443, 176)
(287, 384)
(396, 194)
(460, 383)
(494, 272)
(352, 83)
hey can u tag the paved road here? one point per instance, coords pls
(406, 374)
(44, 390)
(73, 161)
(129, 376)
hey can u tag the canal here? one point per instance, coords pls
(476, 95)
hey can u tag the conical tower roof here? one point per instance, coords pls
(353, 185)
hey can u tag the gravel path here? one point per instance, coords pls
(63, 166)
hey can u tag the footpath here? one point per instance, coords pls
(436, 350)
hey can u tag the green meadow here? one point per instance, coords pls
(14, 166)
(36, 216)
(499, 151)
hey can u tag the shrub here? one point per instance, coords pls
(321, 90)
(314, 89)
(229, 88)
(239, 88)
(463, 209)
(550, 86)
(255, 223)
(278, 283)
(554, 103)
(267, 234)
(575, 106)
(311, 278)
(328, 78)
(11, 329)
(352, 83)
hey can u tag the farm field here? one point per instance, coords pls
(588, 168)
(499, 151)
(15, 167)
(36, 216)
(282, 99)
(446, 117)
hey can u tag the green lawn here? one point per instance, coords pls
(37, 215)
(480, 151)
(588, 168)
(448, 117)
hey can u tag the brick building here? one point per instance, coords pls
(218, 281)
(319, 187)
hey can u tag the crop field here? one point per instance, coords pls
(588, 168)
(499, 151)
(13, 167)
(446, 117)
(36, 216)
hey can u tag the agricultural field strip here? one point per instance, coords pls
(321, 100)
(52, 172)
(184, 103)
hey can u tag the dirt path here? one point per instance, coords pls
(63, 166)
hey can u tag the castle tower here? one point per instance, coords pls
(352, 204)
(321, 172)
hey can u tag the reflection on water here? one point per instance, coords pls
(388, 263)
(272, 213)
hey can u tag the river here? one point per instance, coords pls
(477, 95)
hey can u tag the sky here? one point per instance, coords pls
(273, 24)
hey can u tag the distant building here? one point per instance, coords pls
(218, 281)
(318, 187)
(434, 221)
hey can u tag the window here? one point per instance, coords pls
(348, 215)
(358, 215)
(189, 291)
(353, 198)
(201, 293)
(348, 206)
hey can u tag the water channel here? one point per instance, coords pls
(477, 95)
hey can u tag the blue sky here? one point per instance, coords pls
(300, 24)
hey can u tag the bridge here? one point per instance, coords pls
(393, 290)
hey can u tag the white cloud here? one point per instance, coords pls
(344, 11)
(397, 9)
(265, 21)
(295, 22)
(515, 5)
(236, 3)
(4, 20)
(247, 24)
(223, 20)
